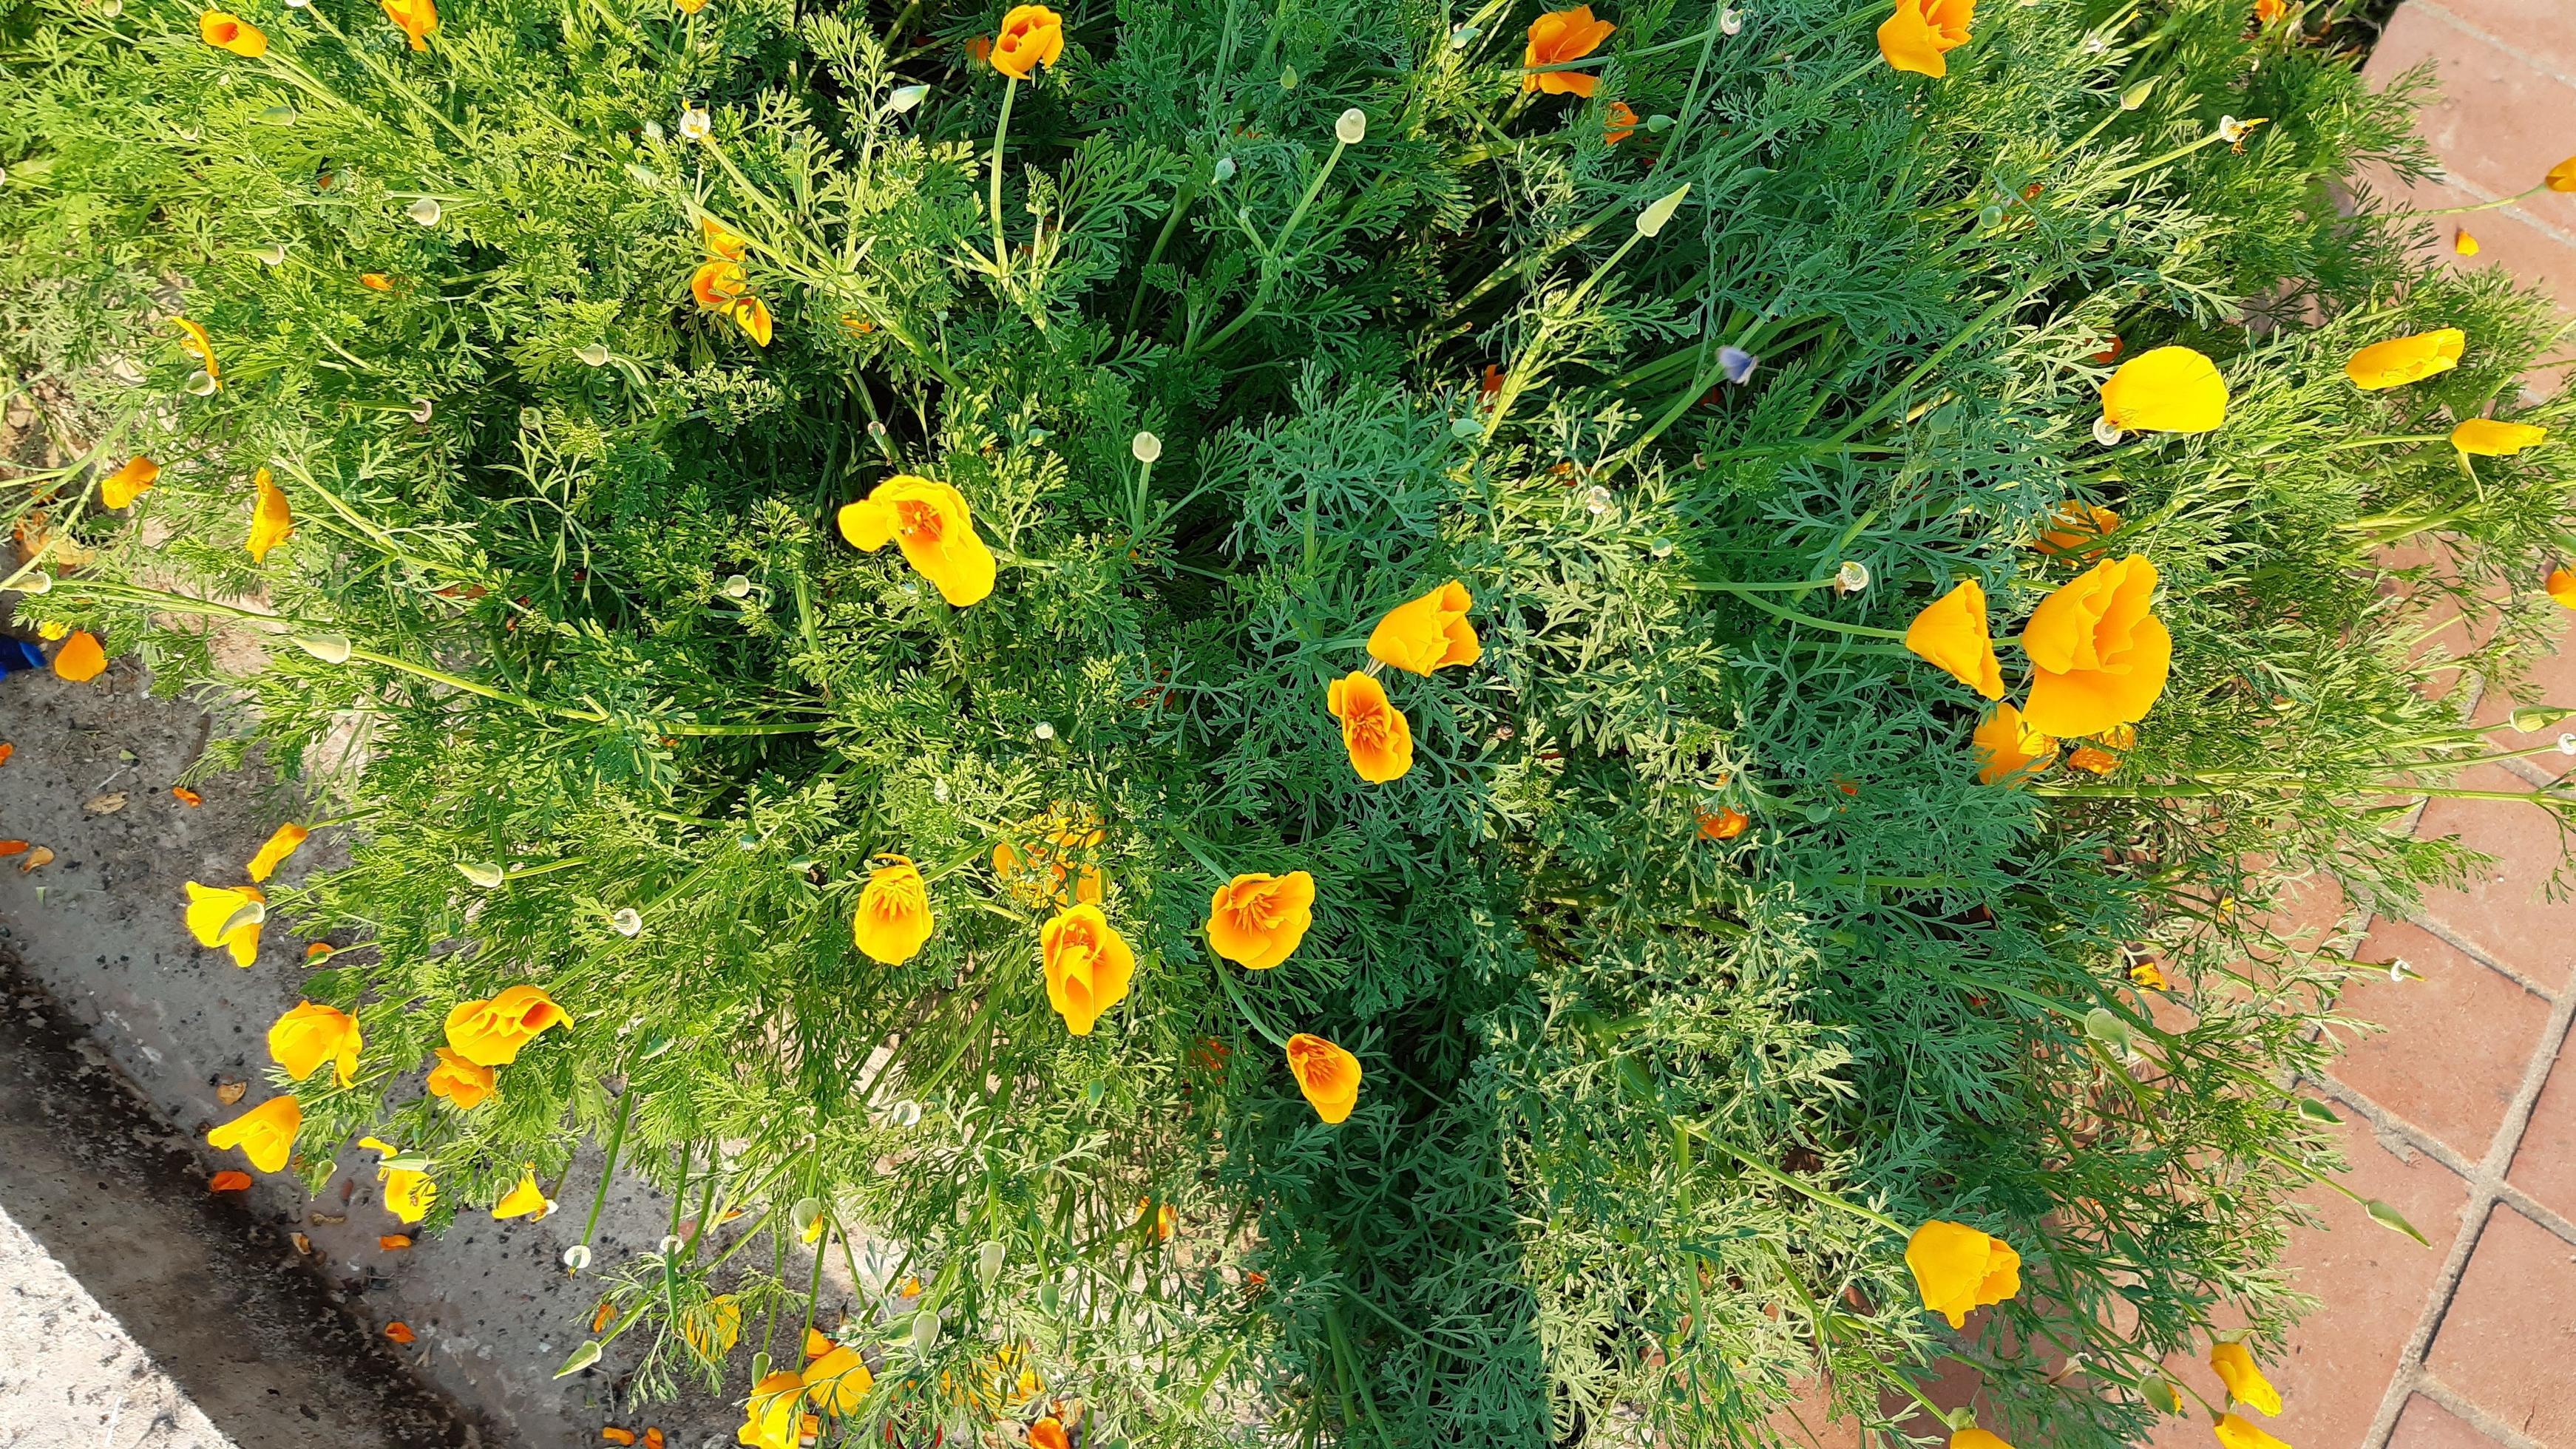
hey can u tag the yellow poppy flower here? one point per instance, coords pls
(2401, 360)
(81, 659)
(1256, 921)
(2008, 748)
(227, 31)
(417, 19)
(490, 1033)
(713, 1327)
(2245, 1382)
(194, 341)
(2077, 528)
(462, 1083)
(718, 284)
(1031, 36)
(2464, 244)
(409, 1193)
(2491, 439)
(721, 239)
(1375, 733)
(2235, 1433)
(1328, 1075)
(1557, 37)
(277, 848)
(930, 522)
(2562, 586)
(1959, 1269)
(2166, 390)
(2267, 12)
(1037, 872)
(1951, 634)
(309, 1035)
(838, 1381)
(752, 315)
(121, 487)
(2561, 177)
(2098, 656)
(1428, 633)
(527, 1200)
(1087, 963)
(229, 918)
(1921, 33)
(265, 1134)
(271, 521)
(771, 1419)
(1974, 1438)
(893, 918)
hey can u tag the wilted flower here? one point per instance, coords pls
(2098, 656)
(229, 918)
(931, 523)
(226, 31)
(893, 918)
(837, 1381)
(1088, 966)
(277, 848)
(1374, 732)
(121, 487)
(490, 1033)
(1951, 633)
(1428, 633)
(2165, 390)
(417, 19)
(2245, 1382)
(714, 1326)
(771, 1417)
(194, 342)
(1619, 124)
(526, 1200)
(1921, 33)
(2401, 360)
(462, 1083)
(1328, 1075)
(2007, 747)
(1959, 1269)
(695, 123)
(1256, 921)
(409, 1192)
(1557, 37)
(265, 1134)
(1031, 36)
(309, 1035)
(2235, 1433)
(81, 659)
(271, 521)
(1726, 824)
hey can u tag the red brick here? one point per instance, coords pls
(2552, 681)
(2452, 1054)
(2499, 122)
(2502, 913)
(2372, 1285)
(2510, 1333)
(1811, 1422)
(2535, 30)
(2427, 1425)
(2544, 1163)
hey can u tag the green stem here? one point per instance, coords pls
(2476, 206)
(1001, 131)
(1260, 1023)
(608, 1169)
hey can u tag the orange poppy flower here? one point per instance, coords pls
(893, 918)
(2235, 1366)
(227, 31)
(310, 1034)
(1328, 1075)
(1031, 36)
(461, 1083)
(2165, 390)
(2561, 177)
(194, 342)
(525, 1200)
(2235, 1433)
(417, 19)
(2267, 12)
(1048, 1433)
(272, 522)
(2077, 527)
(490, 1033)
(1375, 733)
(400, 1332)
(277, 848)
(1428, 633)
(1726, 824)
(1088, 966)
(2491, 439)
(375, 281)
(2007, 747)
(1951, 633)
(1959, 1269)
(123, 486)
(2098, 656)
(837, 1380)
(1921, 33)
(229, 1180)
(752, 315)
(1557, 37)
(1619, 125)
(230, 918)
(187, 797)
(265, 1134)
(1256, 921)
(81, 659)
(930, 522)
(718, 284)
(721, 239)
(2561, 584)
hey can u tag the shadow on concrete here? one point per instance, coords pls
(221, 1301)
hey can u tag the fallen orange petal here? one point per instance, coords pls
(187, 797)
(400, 1332)
(229, 1180)
(615, 1435)
(318, 950)
(6, 750)
(13, 847)
(36, 856)
(393, 1242)
(652, 1439)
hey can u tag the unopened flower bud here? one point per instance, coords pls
(1653, 218)
(481, 872)
(594, 353)
(627, 922)
(1223, 171)
(329, 648)
(424, 210)
(1351, 126)
(1146, 447)
(905, 98)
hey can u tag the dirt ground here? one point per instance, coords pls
(99, 930)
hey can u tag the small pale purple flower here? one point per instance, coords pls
(1739, 364)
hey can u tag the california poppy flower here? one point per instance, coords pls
(1087, 963)
(713, 1327)
(2401, 360)
(1958, 1269)
(2165, 390)
(1375, 733)
(2463, 244)
(2092, 760)
(2077, 527)
(194, 341)
(1256, 921)
(1976, 1438)
(2098, 656)
(838, 1380)
(893, 918)
(375, 281)
(226, 31)
(526, 1200)
(409, 1192)
(271, 521)
(1951, 634)
(1921, 33)
(930, 522)
(187, 797)
(2007, 747)
(278, 847)
(1557, 37)
(310, 1034)
(1726, 824)
(1328, 1075)
(228, 917)
(1048, 1433)
(718, 284)
(1031, 36)
(81, 659)
(123, 486)
(771, 1417)
(752, 315)
(490, 1033)
(2235, 1433)
(265, 1134)
(2150, 973)
(462, 1083)
(2268, 11)
(401, 1333)
(1619, 125)
(2245, 1382)
(1428, 633)
(2561, 177)
(2562, 585)
(2489, 438)
(1038, 871)
(721, 239)
(417, 19)
(229, 1180)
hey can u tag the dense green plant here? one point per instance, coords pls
(565, 631)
